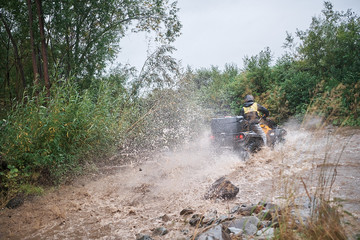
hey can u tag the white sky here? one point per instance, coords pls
(216, 32)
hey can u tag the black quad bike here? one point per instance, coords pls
(235, 133)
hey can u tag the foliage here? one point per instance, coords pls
(258, 71)
(212, 86)
(49, 137)
(318, 75)
(329, 49)
(160, 70)
(46, 140)
(81, 37)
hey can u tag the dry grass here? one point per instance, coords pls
(324, 220)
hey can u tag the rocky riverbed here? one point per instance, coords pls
(145, 198)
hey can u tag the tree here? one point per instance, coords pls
(32, 44)
(18, 63)
(85, 34)
(43, 46)
(330, 50)
(77, 38)
(258, 71)
(332, 43)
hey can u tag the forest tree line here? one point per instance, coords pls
(318, 74)
(59, 109)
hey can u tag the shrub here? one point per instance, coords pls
(48, 139)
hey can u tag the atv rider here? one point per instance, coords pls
(251, 112)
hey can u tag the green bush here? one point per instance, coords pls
(45, 139)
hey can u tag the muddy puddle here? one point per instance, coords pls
(136, 198)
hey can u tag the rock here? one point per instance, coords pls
(209, 218)
(165, 218)
(208, 221)
(214, 233)
(247, 224)
(247, 210)
(186, 211)
(143, 237)
(272, 206)
(235, 209)
(222, 189)
(131, 213)
(236, 231)
(264, 224)
(160, 231)
(266, 233)
(195, 219)
(223, 218)
(265, 215)
(16, 202)
(273, 209)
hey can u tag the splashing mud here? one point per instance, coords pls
(140, 197)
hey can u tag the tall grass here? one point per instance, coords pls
(48, 139)
(324, 219)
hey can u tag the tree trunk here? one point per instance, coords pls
(68, 56)
(33, 54)
(43, 47)
(7, 78)
(18, 64)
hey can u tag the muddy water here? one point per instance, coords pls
(140, 197)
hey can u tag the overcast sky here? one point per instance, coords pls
(216, 32)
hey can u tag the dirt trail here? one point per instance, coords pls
(141, 197)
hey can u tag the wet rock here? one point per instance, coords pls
(222, 189)
(248, 224)
(186, 211)
(214, 233)
(160, 231)
(16, 202)
(143, 237)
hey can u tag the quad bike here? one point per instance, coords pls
(235, 133)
